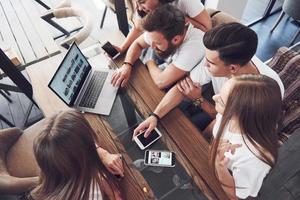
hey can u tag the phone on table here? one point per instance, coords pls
(110, 50)
(159, 158)
(143, 142)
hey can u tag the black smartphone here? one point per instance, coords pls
(159, 158)
(110, 50)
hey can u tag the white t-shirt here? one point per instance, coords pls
(247, 170)
(189, 53)
(191, 8)
(201, 75)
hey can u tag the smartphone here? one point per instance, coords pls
(143, 142)
(159, 158)
(110, 50)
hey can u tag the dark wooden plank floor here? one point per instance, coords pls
(15, 111)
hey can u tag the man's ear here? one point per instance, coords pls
(176, 39)
(233, 68)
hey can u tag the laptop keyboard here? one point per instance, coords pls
(93, 90)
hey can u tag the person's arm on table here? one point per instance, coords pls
(202, 21)
(168, 102)
(122, 75)
(164, 78)
(193, 92)
(113, 162)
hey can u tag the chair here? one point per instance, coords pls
(124, 10)
(18, 168)
(286, 63)
(64, 10)
(291, 8)
(283, 181)
(22, 84)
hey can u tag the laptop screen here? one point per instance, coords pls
(70, 75)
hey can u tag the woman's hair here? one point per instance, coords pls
(255, 101)
(66, 154)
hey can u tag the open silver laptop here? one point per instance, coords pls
(80, 86)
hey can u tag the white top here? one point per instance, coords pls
(191, 8)
(202, 76)
(247, 170)
(190, 53)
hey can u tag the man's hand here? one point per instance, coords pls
(189, 89)
(121, 76)
(119, 49)
(149, 124)
(113, 162)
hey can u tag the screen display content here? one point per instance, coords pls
(109, 49)
(160, 158)
(69, 76)
(145, 141)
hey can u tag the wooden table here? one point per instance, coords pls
(179, 134)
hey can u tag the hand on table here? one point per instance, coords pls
(149, 124)
(113, 162)
(189, 89)
(121, 76)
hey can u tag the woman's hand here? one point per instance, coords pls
(113, 162)
(149, 124)
(225, 146)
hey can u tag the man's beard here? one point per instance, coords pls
(166, 53)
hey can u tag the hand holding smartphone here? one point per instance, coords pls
(143, 142)
(110, 50)
(159, 158)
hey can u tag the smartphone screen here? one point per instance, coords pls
(146, 141)
(164, 158)
(109, 49)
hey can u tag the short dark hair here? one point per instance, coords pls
(165, 19)
(235, 42)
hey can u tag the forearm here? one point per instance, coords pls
(227, 182)
(208, 108)
(168, 102)
(202, 21)
(154, 72)
(133, 53)
(131, 37)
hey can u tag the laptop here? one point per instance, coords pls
(80, 86)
